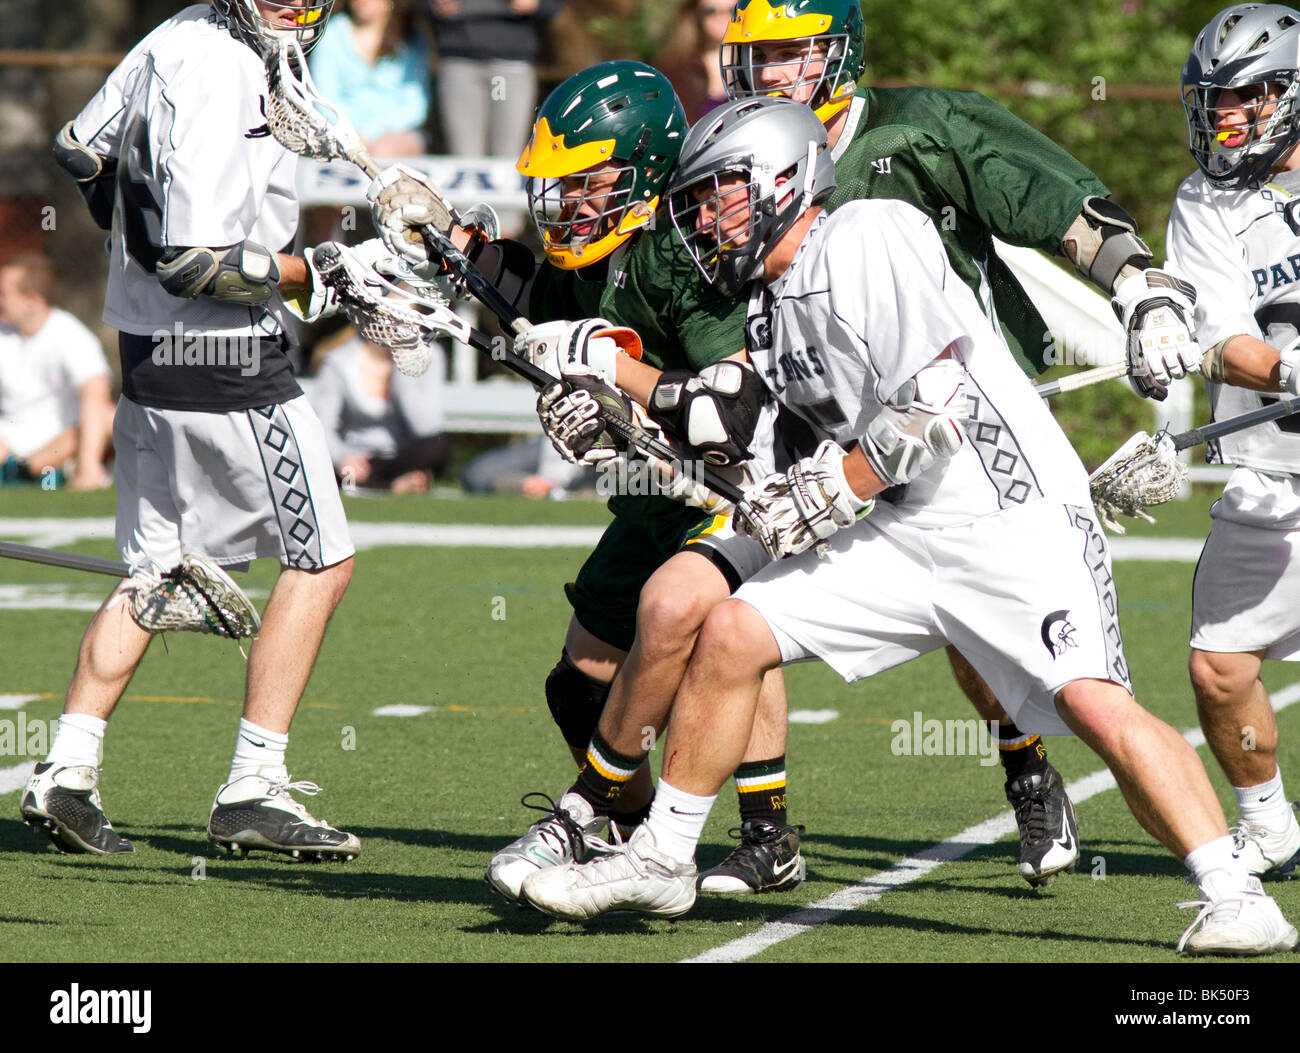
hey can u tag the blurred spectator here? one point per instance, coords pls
(691, 60)
(373, 63)
(530, 467)
(487, 81)
(384, 429)
(54, 382)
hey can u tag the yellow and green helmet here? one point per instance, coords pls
(598, 159)
(836, 23)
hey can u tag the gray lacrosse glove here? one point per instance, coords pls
(401, 202)
(572, 415)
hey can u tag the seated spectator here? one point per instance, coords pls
(373, 63)
(530, 467)
(384, 429)
(54, 383)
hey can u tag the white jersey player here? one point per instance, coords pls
(993, 544)
(218, 451)
(1234, 232)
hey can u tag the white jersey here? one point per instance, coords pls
(184, 114)
(1241, 250)
(870, 300)
(40, 380)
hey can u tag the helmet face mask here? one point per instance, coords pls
(598, 159)
(1240, 88)
(808, 50)
(748, 171)
(262, 24)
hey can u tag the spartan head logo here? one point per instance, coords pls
(760, 332)
(1057, 633)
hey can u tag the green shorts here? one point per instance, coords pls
(605, 595)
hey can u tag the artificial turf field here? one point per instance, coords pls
(472, 632)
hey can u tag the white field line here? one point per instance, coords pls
(870, 889)
(53, 533)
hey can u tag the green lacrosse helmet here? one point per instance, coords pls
(598, 159)
(832, 77)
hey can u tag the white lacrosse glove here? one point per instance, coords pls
(318, 302)
(792, 512)
(571, 412)
(401, 202)
(1157, 311)
(589, 348)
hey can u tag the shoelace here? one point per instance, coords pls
(570, 836)
(1206, 907)
(281, 789)
(1031, 819)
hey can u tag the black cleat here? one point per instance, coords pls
(64, 804)
(1049, 835)
(766, 860)
(257, 812)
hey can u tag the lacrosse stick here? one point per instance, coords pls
(402, 316)
(309, 126)
(1146, 471)
(1085, 379)
(194, 596)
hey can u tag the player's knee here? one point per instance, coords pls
(1215, 679)
(668, 618)
(736, 637)
(575, 701)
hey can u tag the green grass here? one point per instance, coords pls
(433, 796)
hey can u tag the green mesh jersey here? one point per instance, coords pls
(979, 171)
(654, 287)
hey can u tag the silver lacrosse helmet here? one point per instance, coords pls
(264, 32)
(1252, 53)
(747, 171)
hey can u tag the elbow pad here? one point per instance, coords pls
(1105, 242)
(924, 421)
(715, 411)
(93, 172)
(245, 273)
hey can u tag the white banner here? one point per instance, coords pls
(464, 180)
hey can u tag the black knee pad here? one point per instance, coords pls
(575, 700)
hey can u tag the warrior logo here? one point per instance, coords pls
(1057, 633)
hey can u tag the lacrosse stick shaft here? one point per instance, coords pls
(1085, 379)
(1196, 436)
(92, 564)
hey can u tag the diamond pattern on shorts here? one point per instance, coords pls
(301, 531)
(999, 452)
(285, 470)
(293, 501)
(276, 438)
(988, 433)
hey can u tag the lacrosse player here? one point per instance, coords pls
(217, 448)
(863, 329)
(1234, 234)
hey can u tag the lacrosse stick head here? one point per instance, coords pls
(195, 596)
(1145, 471)
(299, 118)
(403, 321)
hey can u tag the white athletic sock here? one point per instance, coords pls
(79, 740)
(677, 821)
(1265, 804)
(1217, 872)
(255, 749)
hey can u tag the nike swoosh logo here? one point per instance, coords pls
(1065, 840)
(261, 745)
(1271, 795)
(675, 811)
(785, 867)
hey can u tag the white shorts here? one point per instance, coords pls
(233, 486)
(1246, 592)
(1026, 595)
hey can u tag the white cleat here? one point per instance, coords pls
(1249, 923)
(632, 876)
(258, 812)
(1264, 851)
(559, 838)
